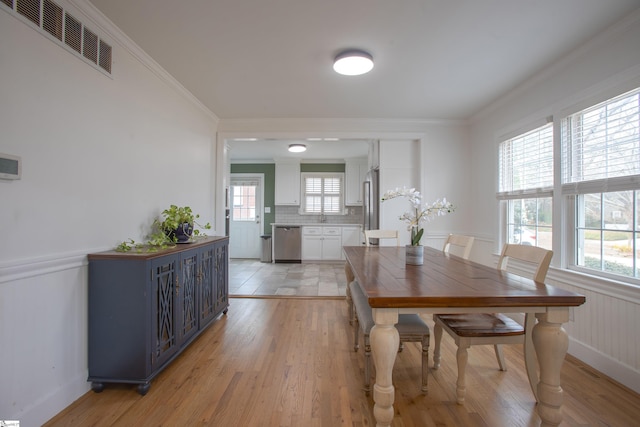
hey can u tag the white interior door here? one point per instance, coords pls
(245, 223)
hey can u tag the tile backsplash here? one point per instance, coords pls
(289, 214)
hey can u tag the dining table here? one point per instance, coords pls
(446, 283)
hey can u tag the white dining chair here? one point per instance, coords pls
(459, 245)
(492, 328)
(380, 234)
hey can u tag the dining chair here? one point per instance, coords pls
(380, 234)
(493, 328)
(368, 234)
(350, 278)
(411, 328)
(459, 245)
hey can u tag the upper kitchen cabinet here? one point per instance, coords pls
(287, 183)
(355, 171)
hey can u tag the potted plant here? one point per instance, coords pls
(419, 214)
(176, 225)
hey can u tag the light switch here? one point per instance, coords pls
(267, 209)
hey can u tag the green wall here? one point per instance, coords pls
(322, 167)
(269, 171)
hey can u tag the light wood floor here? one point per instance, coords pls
(290, 362)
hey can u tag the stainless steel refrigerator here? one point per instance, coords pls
(371, 201)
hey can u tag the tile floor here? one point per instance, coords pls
(250, 277)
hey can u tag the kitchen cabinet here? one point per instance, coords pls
(145, 308)
(355, 172)
(321, 243)
(287, 184)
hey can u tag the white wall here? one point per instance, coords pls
(102, 156)
(603, 331)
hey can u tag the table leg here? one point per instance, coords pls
(551, 343)
(384, 348)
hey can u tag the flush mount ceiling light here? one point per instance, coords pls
(297, 148)
(353, 63)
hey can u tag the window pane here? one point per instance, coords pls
(244, 202)
(603, 141)
(332, 204)
(313, 204)
(529, 222)
(526, 161)
(606, 232)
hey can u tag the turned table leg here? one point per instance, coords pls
(551, 343)
(384, 347)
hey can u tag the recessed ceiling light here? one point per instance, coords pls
(353, 62)
(297, 148)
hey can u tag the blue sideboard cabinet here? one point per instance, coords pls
(145, 308)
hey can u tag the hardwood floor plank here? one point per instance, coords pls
(290, 362)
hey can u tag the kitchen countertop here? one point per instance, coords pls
(319, 224)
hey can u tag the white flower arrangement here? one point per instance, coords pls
(420, 214)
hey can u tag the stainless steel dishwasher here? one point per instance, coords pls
(287, 243)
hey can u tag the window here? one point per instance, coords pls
(526, 186)
(601, 172)
(323, 193)
(243, 195)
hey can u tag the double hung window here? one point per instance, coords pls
(601, 176)
(526, 186)
(323, 193)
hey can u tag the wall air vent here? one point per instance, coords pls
(51, 20)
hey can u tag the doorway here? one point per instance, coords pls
(245, 222)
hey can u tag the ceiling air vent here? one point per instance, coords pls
(68, 32)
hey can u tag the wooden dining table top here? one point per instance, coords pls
(445, 280)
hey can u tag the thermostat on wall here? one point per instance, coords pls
(10, 166)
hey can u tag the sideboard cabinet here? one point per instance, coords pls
(146, 307)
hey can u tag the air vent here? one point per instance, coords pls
(90, 46)
(52, 19)
(73, 33)
(69, 32)
(30, 9)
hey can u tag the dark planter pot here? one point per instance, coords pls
(183, 232)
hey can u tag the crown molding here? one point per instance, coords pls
(105, 25)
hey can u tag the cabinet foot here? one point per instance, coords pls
(97, 387)
(143, 388)
(225, 311)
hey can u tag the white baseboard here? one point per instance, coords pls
(612, 368)
(50, 405)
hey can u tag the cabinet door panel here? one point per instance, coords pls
(187, 292)
(207, 286)
(221, 278)
(163, 310)
(331, 247)
(311, 248)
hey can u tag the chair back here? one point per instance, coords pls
(459, 245)
(380, 234)
(539, 257)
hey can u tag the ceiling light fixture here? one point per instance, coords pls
(353, 62)
(297, 148)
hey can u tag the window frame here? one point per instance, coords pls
(508, 196)
(570, 192)
(322, 175)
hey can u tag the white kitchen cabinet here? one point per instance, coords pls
(355, 172)
(351, 236)
(321, 243)
(287, 184)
